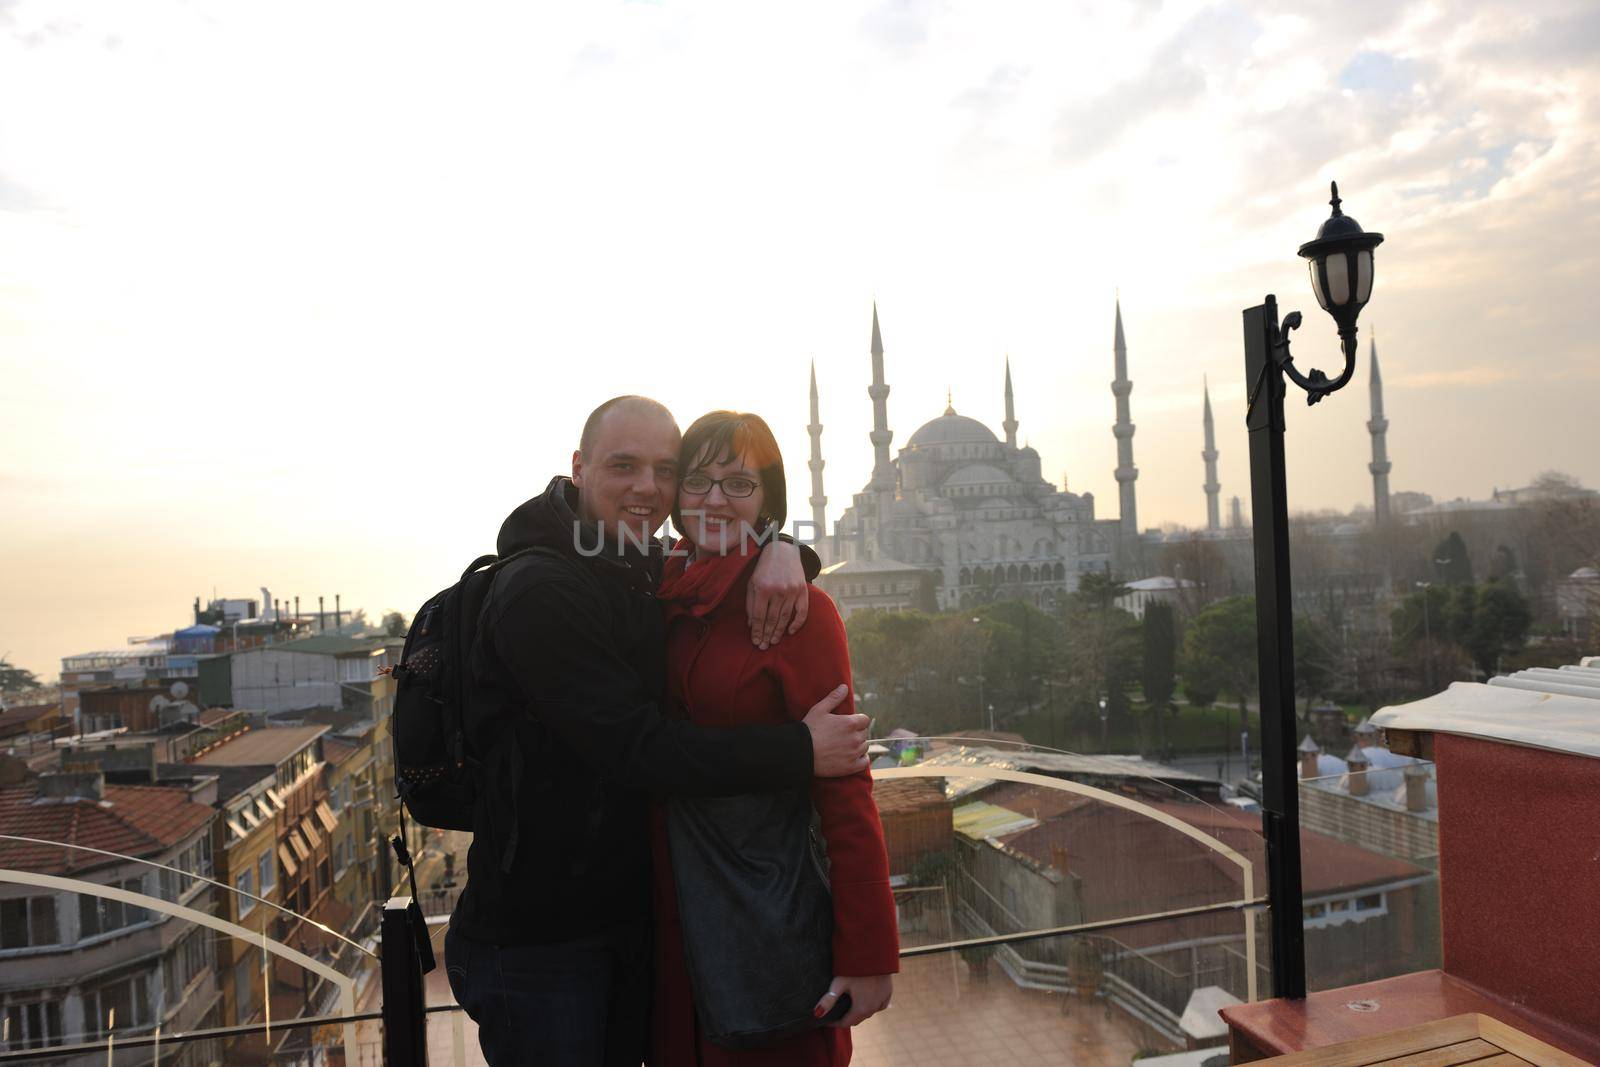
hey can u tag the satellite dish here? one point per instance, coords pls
(180, 690)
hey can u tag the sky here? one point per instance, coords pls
(309, 295)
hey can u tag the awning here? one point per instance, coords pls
(308, 828)
(298, 843)
(264, 808)
(325, 817)
(277, 798)
(288, 860)
(251, 819)
(233, 824)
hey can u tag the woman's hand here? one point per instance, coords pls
(868, 996)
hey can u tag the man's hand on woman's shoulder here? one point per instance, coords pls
(838, 742)
(776, 598)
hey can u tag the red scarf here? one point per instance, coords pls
(696, 585)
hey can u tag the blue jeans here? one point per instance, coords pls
(583, 1003)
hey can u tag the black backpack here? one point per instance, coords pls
(436, 773)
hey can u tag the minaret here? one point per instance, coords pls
(1212, 486)
(1127, 473)
(882, 469)
(1236, 514)
(819, 503)
(1378, 427)
(1010, 425)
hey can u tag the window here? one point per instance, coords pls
(31, 1025)
(1370, 902)
(26, 922)
(268, 872)
(245, 884)
(190, 958)
(119, 1006)
(246, 979)
(100, 915)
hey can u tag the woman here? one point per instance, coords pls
(731, 489)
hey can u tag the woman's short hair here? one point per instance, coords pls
(722, 437)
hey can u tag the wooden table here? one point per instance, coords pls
(1461, 1039)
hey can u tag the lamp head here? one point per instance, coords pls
(1340, 260)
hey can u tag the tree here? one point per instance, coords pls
(1219, 652)
(1499, 625)
(394, 624)
(1452, 565)
(1102, 648)
(1315, 660)
(1201, 570)
(16, 679)
(1160, 663)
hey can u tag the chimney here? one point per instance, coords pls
(1416, 775)
(1357, 759)
(76, 780)
(296, 609)
(1058, 859)
(320, 613)
(338, 614)
(1308, 759)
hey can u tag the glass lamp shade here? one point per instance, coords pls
(1340, 261)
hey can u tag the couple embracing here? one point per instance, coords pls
(690, 869)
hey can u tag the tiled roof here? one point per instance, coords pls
(132, 820)
(898, 796)
(26, 713)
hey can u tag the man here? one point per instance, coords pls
(548, 949)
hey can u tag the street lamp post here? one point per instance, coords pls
(1340, 261)
(1105, 728)
(977, 621)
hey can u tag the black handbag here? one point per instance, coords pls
(756, 913)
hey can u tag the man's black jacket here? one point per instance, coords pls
(567, 678)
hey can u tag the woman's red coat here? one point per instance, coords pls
(718, 678)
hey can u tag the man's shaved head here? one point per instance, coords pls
(639, 405)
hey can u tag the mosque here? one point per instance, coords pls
(960, 516)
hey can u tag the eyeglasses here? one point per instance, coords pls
(734, 486)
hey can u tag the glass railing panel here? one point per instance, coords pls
(1369, 849)
(1109, 997)
(1061, 907)
(101, 946)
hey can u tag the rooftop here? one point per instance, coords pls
(326, 645)
(131, 820)
(1548, 709)
(262, 747)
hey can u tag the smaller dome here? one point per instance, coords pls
(978, 474)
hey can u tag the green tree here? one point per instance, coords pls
(394, 624)
(1452, 565)
(1160, 664)
(1316, 660)
(1219, 652)
(16, 679)
(1021, 646)
(1499, 625)
(1103, 648)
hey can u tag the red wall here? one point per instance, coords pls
(1519, 881)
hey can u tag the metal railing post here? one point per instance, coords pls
(405, 959)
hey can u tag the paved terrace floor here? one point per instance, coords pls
(940, 1017)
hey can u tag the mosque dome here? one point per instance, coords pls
(953, 429)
